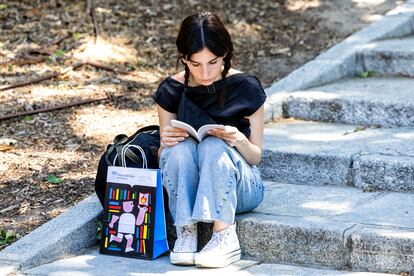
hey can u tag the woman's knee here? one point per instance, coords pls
(183, 152)
(212, 146)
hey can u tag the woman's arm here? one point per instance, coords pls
(169, 135)
(250, 149)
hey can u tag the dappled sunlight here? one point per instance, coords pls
(302, 5)
(314, 218)
(405, 136)
(39, 96)
(369, 18)
(143, 77)
(320, 95)
(401, 9)
(42, 92)
(316, 132)
(322, 137)
(395, 234)
(369, 46)
(46, 161)
(22, 72)
(106, 50)
(46, 157)
(4, 53)
(102, 123)
(368, 3)
(253, 31)
(332, 208)
(82, 261)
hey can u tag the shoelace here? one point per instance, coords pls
(216, 240)
(186, 238)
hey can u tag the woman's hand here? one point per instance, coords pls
(229, 134)
(171, 136)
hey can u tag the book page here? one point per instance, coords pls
(184, 126)
(202, 131)
(198, 135)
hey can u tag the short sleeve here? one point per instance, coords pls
(254, 95)
(168, 96)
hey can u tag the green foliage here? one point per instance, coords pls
(366, 74)
(53, 179)
(56, 55)
(7, 238)
(77, 36)
(10, 67)
(28, 118)
(99, 231)
(130, 66)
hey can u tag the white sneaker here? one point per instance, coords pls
(185, 246)
(222, 250)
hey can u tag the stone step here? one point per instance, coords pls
(339, 227)
(388, 57)
(92, 263)
(305, 226)
(314, 153)
(368, 101)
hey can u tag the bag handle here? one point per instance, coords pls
(123, 154)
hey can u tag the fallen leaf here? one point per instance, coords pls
(53, 179)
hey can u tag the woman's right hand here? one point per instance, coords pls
(171, 136)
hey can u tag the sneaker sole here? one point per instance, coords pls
(182, 258)
(221, 261)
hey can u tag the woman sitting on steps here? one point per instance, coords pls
(215, 179)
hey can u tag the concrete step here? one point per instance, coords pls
(388, 57)
(91, 263)
(305, 226)
(339, 227)
(314, 153)
(369, 101)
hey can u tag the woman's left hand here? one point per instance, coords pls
(230, 134)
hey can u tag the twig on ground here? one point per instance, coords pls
(52, 108)
(95, 21)
(107, 68)
(64, 71)
(23, 61)
(47, 77)
(9, 208)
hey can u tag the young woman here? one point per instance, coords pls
(215, 179)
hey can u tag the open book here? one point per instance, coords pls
(198, 135)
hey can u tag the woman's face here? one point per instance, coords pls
(205, 67)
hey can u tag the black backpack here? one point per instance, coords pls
(135, 151)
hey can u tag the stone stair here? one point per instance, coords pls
(339, 158)
(387, 101)
(388, 57)
(315, 153)
(339, 227)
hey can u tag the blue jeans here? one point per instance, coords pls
(208, 181)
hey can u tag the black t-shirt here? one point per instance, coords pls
(244, 96)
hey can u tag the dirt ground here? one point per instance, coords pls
(50, 163)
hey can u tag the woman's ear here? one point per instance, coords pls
(183, 61)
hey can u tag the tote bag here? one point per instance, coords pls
(134, 216)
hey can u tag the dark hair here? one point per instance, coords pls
(204, 30)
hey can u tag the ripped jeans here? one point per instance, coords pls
(208, 181)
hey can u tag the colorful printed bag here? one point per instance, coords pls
(134, 220)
